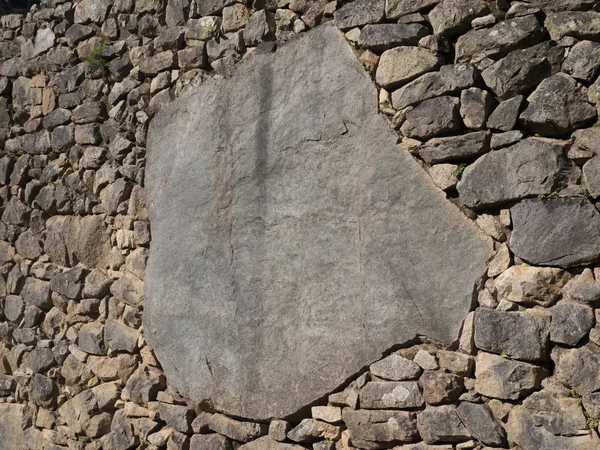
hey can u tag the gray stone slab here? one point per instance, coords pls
(11, 431)
(293, 241)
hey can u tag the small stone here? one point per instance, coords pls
(425, 360)
(432, 118)
(563, 232)
(370, 428)
(143, 385)
(451, 17)
(266, 443)
(98, 425)
(236, 430)
(311, 430)
(37, 292)
(210, 442)
(591, 177)
(43, 391)
(531, 285)
(571, 322)
(441, 387)
(481, 424)
(455, 362)
(40, 359)
(502, 140)
(514, 334)
(77, 411)
(382, 37)
(444, 175)
(88, 11)
(176, 416)
(44, 41)
(402, 64)
(504, 378)
(500, 262)
(583, 288)
(475, 107)
(506, 114)
(359, 13)
(97, 284)
(69, 283)
(577, 367)
(583, 61)
(261, 27)
(455, 148)
(576, 24)
(278, 429)
(395, 368)
(235, 18)
(391, 395)
(128, 289)
(120, 337)
(329, 414)
(440, 425)
(395, 9)
(91, 338)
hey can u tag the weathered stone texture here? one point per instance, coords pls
(307, 237)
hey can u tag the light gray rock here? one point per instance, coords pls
(557, 107)
(120, 337)
(395, 367)
(441, 424)
(312, 430)
(391, 395)
(481, 424)
(505, 379)
(506, 114)
(583, 61)
(451, 17)
(577, 24)
(571, 322)
(235, 429)
(563, 232)
(381, 37)
(531, 285)
(577, 368)
(11, 428)
(561, 5)
(591, 175)
(44, 41)
(514, 334)
(583, 288)
(208, 7)
(502, 140)
(395, 9)
(434, 117)
(266, 443)
(500, 39)
(475, 107)
(210, 442)
(375, 429)
(37, 293)
(455, 148)
(95, 11)
(450, 79)
(522, 70)
(552, 421)
(530, 167)
(402, 64)
(359, 13)
(239, 229)
(261, 27)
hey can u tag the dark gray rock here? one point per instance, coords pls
(450, 79)
(506, 114)
(557, 107)
(577, 24)
(261, 27)
(577, 368)
(391, 394)
(571, 322)
(376, 429)
(121, 338)
(91, 338)
(522, 70)
(455, 148)
(481, 424)
(37, 293)
(43, 391)
(563, 232)
(583, 288)
(505, 379)
(530, 167)
(177, 416)
(237, 307)
(451, 17)
(359, 13)
(266, 443)
(501, 140)
(69, 283)
(441, 425)
(395, 9)
(583, 61)
(550, 420)
(384, 36)
(40, 359)
(402, 64)
(208, 7)
(311, 430)
(431, 118)
(514, 334)
(500, 39)
(441, 387)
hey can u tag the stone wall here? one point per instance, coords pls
(496, 101)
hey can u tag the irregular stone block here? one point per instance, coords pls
(281, 255)
(434, 117)
(571, 322)
(583, 60)
(384, 36)
(394, 9)
(451, 17)
(564, 232)
(481, 423)
(455, 148)
(359, 13)
(577, 24)
(531, 285)
(376, 429)
(391, 394)
(577, 368)
(583, 288)
(441, 424)
(402, 64)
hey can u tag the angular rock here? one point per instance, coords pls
(583, 288)
(266, 443)
(504, 378)
(37, 293)
(69, 283)
(481, 424)
(583, 61)
(444, 175)
(143, 385)
(43, 391)
(557, 107)
(577, 368)
(211, 442)
(396, 368)
(374, 429)
(571, 322)
(530, 167)
(311, 430)
(359, 13)
(441, 424)
(456, 362)
(431, 118)
(177, 416)
(475, 107)
(591, 176)
(450, 79)
(506, 114)
(552, 421)
(517, 335)
(500, 39)
(251, 282)
(381, 37)
(441, 387)
(391, 394)
(402, 64)
(522, 70)
(120, 337)
(577, 24)
(451, 17)
(394, 9)
(455, 148)
(261, 27)
(563, 232)
(208, 7)
(91, 338)
(95, 11)
(531, 285)
(128, 289)
(235, 429)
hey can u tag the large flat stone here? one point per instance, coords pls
(293, 243)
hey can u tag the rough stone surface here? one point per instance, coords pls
(557, 107)
(402, 64)
(434, 117)
(441, 424)
(359, 13)
(451, 17)
(563, 232)
(481, 424)
(373, 428)
(11, 428)
(381, 37)
(583, 288)
(571, 322)
(455, 148)
(577, 368)
(506, 114)
(251, 323)
(391, 394)
(575, 24)
(530, 167)
(583, 61)
(531, 285)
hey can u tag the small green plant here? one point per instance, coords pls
(590, 421)
(576, 396)
(525, 265)
(589, 195)
(459, 171)
(216, 32)
(83, 439)
(551, 196)
(96, 63)
(504, 355)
